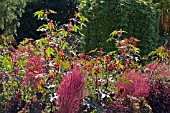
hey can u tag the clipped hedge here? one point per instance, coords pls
(140, 19)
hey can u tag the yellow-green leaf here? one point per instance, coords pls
(52, 11)
(49, 51)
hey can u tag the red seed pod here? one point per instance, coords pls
(108, 59)
(87, 57)
(110, 67)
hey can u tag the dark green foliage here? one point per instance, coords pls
(164, 27)
(29, 24)
(10, 12)
(138, 18)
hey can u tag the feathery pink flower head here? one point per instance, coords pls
(70, 92)
(137, 85)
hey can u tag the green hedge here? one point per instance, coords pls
(138, 18)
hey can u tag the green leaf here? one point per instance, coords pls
(136, 40)
(110, 89)
(46, 26)
(22, 42)
(111, 53)
(39, 14)
(51, 11)
(84, 19)
(21, 63)
(134, 48)
(49, 51)
(39, 42)
(6, 64)
(94, 111)
(75, 28)
(113, 33)
(110, 39)
(64, 45)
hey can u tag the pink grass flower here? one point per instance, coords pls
(133, 84)
(70, 92)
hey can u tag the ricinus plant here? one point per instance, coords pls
(46, 69)
(35, 68)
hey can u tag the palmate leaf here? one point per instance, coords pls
(84, 19)
(75, 28)
(120, 66)
(64, 65)
(6, 64)
(64, 45)
(113, 33)
(133, 47)
(25, 41)
(112, 36)
(110, 39)
(63, 32)
(21, 63)
(49, 51)
(45, 26)
(39, 42)
(157, 51)
(39, 13)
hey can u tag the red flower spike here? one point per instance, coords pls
(110, 67)
(70, 56)
(87, 58)
(97, 70)
(69, 26)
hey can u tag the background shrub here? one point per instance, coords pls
(29, 24)
(139, 19)
(11, 11)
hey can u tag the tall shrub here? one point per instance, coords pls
(140, 19)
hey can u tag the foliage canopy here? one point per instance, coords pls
(11, 11)
(140, 19)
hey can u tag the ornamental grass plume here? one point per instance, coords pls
(70, 92)
(133, 84)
